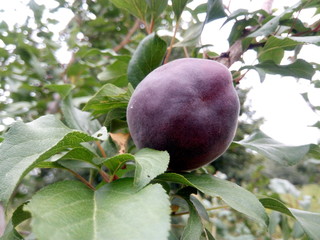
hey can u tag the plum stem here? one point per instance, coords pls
(171, 43)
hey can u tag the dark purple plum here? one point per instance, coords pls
(188, 107)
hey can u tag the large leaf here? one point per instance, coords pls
(25, 145)
(148, 56)
(108, 98)
(178, 6)
(215, 10)
(274, 150)
(236, 197)
(69, 210)
(137, 8)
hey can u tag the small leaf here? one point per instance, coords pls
(276, 205)
(69, 210)
(273, 150)
(108, 98)
(309, 221)
(235, 196)
(63, 89)
(115, 73)
(178, 7)
(150, 163)
(307, 39)
(192, 36)
(77, 119)
(115, 163)
(148, 56)
(268, 28)
(299, 69)
(137, 8)
(156, 7)
(215, 10)
(194, 225)
(25, 145)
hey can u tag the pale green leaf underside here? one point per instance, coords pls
(25, 145)
(69, 210)
(274, 150)
(309, 221)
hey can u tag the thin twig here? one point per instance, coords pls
(171, 43)
(127, 38)
(186, 52)
(208, 209)
(77, 175)
(103, 153)
(105, 176)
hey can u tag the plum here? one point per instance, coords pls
(188, 107)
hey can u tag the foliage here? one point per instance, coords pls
(74, 120)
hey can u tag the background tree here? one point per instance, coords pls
(108, 40)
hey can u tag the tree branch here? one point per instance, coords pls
(127, 38)
(235, 51)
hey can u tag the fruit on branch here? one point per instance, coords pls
(188, 107)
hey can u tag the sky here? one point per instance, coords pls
(278, 100)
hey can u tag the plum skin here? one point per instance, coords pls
(188, 107)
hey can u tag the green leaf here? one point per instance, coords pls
(307, 39)
(150, 163)
(194, 225)
(156, 7)
(178, 6)
(274, 150)
(148, 56)
(115, 163)
(192, 36)
(25, 145)
(63, 89)
(137, 8)
(309, 221)
(276, 205)
(77, 119)
(235, 196)
(69, 210)
(109, 97)
(115, 73)
(274, 49)
(215, 10)
(299, 69)
(314, 151)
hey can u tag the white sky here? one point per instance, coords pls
(278, 100)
